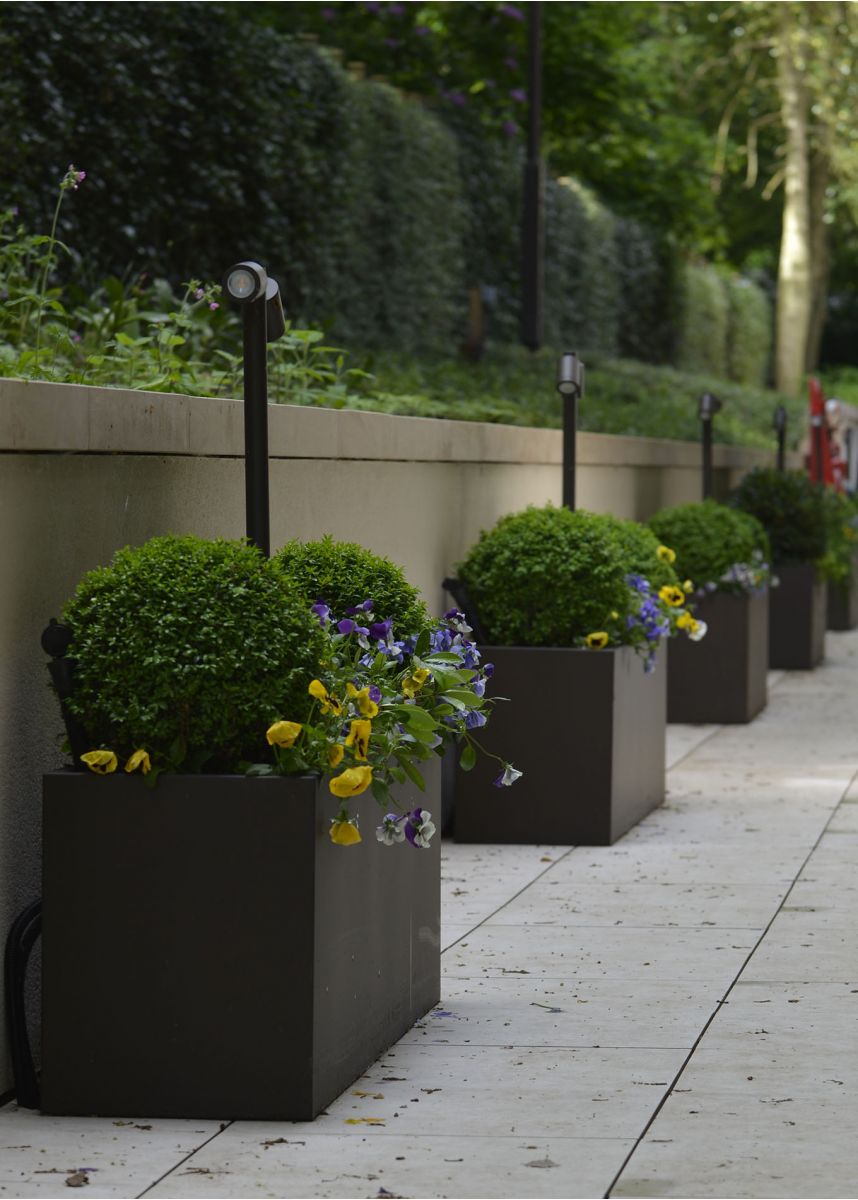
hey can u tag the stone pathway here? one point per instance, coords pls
(674, 1015)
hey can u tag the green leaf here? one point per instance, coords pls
(414, 717)
(468, 757)
(423, 644)
(412, 772)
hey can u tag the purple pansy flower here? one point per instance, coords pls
(322, 612)
(419, 828)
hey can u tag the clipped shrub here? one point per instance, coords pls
(189, 649)
(709, 539)
(790, 508)
(841, 513)
(749, 332)
(638, 548)
(344, 574)
(545, 577)
(702, 320)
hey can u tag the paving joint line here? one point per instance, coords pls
(730, 988)
(223, 1127)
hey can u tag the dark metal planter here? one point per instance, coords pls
(721, 679)
(797, 615)
(587, 729)
(208, 952)
(843, 603)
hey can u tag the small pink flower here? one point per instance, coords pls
(214, 304)
(198, 294)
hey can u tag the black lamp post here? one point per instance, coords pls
(780, 425)
(707, 407)
(570, 385)
(532, 232)
(259, 297)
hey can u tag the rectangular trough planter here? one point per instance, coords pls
(721, 680)
(843, 603)
(797, 617)
(587, 728)
(209, 952)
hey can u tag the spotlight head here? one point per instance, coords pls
(780, 418)
(708, 406)
(570, 375)
(245, 282)
(275, 319)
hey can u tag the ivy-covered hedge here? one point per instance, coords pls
(207, 141)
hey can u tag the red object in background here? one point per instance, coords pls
(821, 465)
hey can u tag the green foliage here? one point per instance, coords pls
(545, 577)
(512, 386)
(790, 508)
(841, 513)
(702, 321)
(708, 539)
(344, 574)
(582, 269)
(749, 339)
(189, 649)
(637, 547)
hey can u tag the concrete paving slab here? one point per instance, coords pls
(119, 1157)
(636, 905)
(544, 1011)
(724, 863)
(421, 1166)
(602, 953)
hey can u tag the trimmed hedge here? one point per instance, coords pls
(373, 212)
(749, 332)
(703, 318)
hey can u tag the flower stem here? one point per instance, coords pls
(52, 241)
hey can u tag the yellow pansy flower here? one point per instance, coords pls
(358, 736)
(367, 707)
(666, 554)
(344, 833)
(671, 595)
(685, 620)
(597, 641)
(335, 755)
(139, 759)
(103, 762)
(688, 586)
(412, 683)
(282, 734)
(615, 616)
(351, 782)
(329, 703)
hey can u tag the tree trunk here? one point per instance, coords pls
(820, 254)
(794, 300)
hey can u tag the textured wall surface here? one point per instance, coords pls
(86, 471)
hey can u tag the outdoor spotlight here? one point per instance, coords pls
(570, 375)
(275, 320)
(245, 282)
(708, 406)
(780, 419)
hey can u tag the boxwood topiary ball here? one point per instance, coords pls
(790, 508)
(189, 649)
(709, 538)
(344, 574)
(545, 577)
(638, 547)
